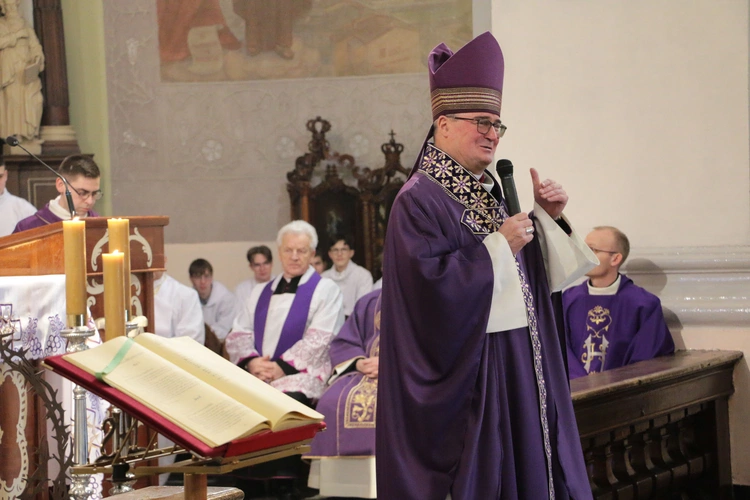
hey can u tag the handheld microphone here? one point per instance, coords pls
(505, 171)
(12, 141)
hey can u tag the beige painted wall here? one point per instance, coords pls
(228, 259)
(639, 108)
(87, 87)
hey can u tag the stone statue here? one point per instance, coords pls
(21, 61)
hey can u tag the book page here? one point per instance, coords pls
(282, 411)
(208, 414)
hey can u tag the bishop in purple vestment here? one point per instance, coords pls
(473, 397)
(609, 320)
(82, 174)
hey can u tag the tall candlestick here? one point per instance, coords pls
(74, 243)
(114, 298)
(119, 239)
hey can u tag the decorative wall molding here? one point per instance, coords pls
(698, 286)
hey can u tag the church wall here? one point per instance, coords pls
(640, 109)
(228, 259)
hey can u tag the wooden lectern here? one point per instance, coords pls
(38, 252)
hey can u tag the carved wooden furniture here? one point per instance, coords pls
(40, 251)
(336, 196)
(659, 428)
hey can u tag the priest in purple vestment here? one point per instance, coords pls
(346, 451)
(473, 396)
(609, 320)
(83, 175)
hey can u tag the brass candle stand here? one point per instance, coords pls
(81, 487)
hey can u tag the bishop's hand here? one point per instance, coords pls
(549, 195)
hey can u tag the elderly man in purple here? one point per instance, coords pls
(82, 173)
(283, 333)
(473, 397)
(345, 454)
(609, 320)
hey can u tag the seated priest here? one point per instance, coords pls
(283, 333)
(83, 176)
(609, 321)
(344, 456)
(219, 305)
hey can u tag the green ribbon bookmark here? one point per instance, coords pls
(116, 360)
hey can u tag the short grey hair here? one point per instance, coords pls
(299, 227)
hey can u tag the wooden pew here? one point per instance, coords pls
(658, 428)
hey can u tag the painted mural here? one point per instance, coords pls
(225, 40)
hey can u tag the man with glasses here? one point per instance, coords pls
(473, 397)
(354, 280)
(609, 320)
(83, 175)
(260, 261)
(283, 334)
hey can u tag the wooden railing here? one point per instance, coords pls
(658, 428)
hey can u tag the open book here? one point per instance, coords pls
(193, 388)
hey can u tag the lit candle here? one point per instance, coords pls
(114, 298)
(119, 239)
(74, 243)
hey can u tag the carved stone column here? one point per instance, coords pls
(56, 131)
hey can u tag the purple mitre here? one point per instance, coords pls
(471, 80)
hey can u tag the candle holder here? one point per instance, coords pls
(82, 488)
(122, 479)
(132, 328)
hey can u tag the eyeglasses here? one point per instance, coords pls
(97, 195)
(600, 250)
(302, 252)
(261, 264)
(340, 250)
(484, 125)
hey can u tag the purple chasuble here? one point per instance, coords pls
(43, 217)
(294, 325)
(609, 331)
(349, 403)
(461, 410)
